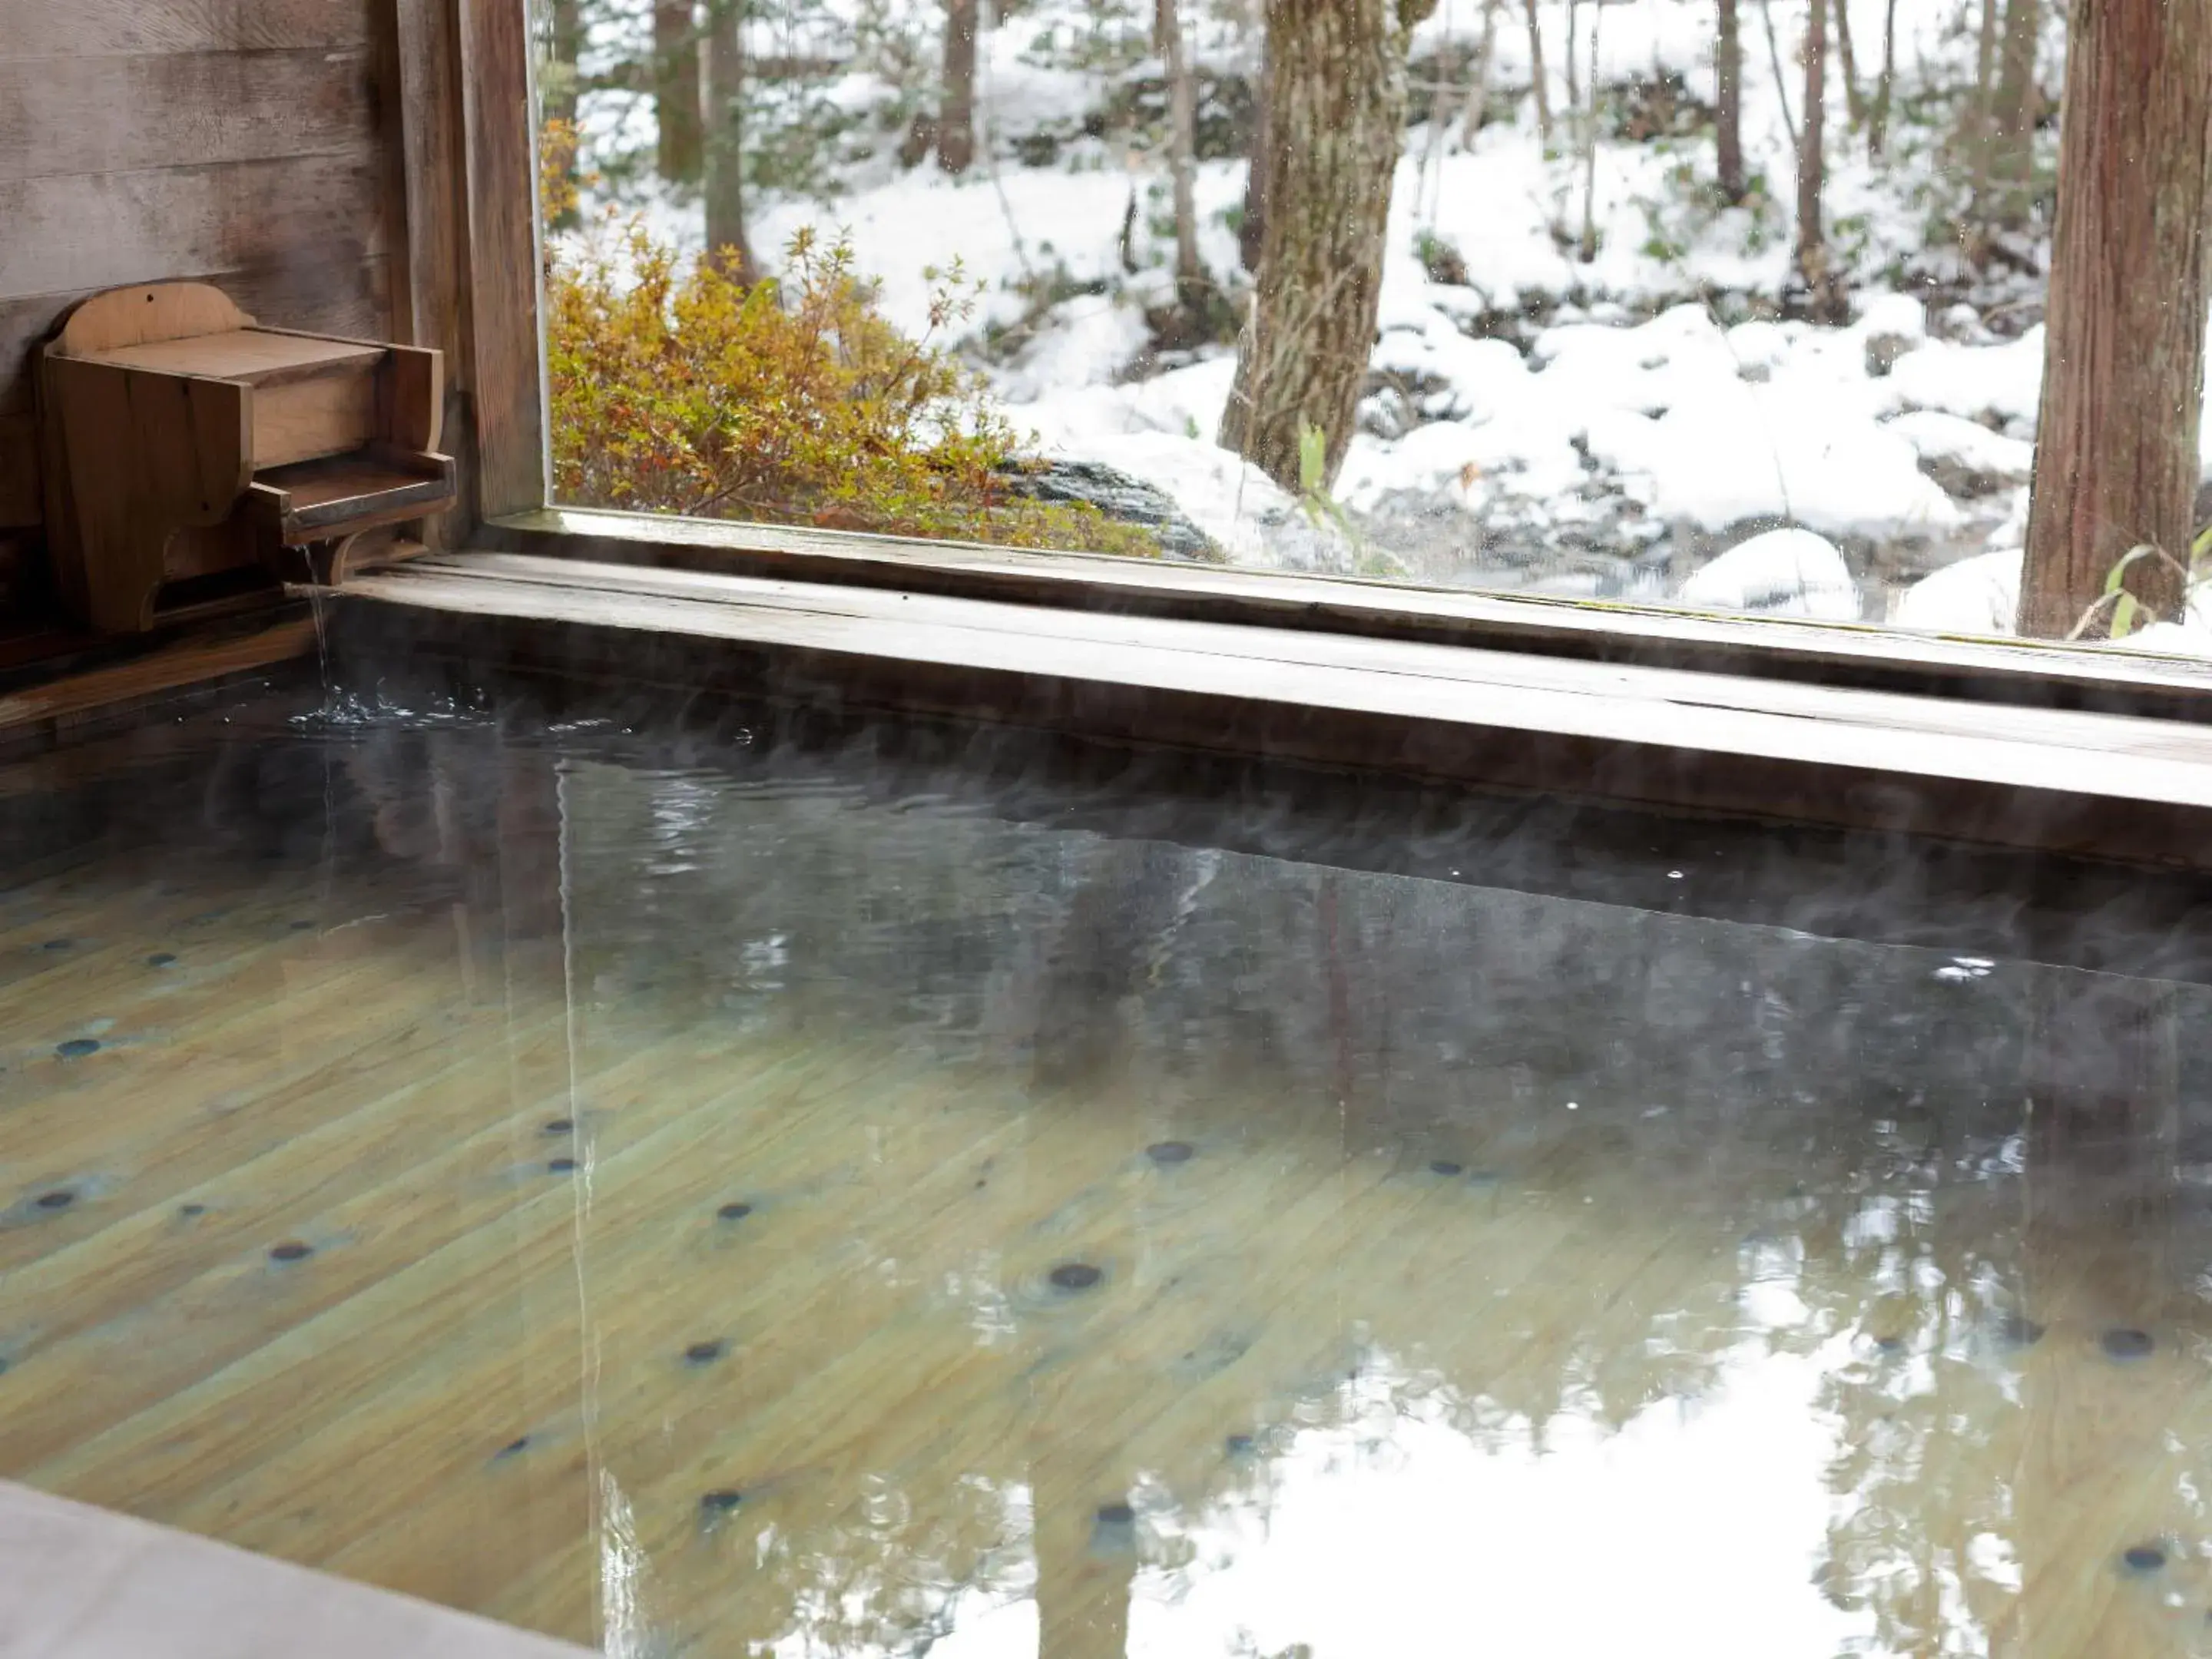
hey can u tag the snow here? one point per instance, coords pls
(1079, 342)
(1999, 383)
(1743, 452)
(1539, 405)
(1965, 444)
(1253, 520)
(1980, 595)
(1784, 573)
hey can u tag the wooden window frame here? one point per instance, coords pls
(1804, 755)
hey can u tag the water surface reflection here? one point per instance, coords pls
(748, 1206)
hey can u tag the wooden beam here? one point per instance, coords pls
(507, 386)
(431, 298)
(1848, 653)
(2052, 780)
(170, 668)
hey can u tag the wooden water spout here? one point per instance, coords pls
(184, 442)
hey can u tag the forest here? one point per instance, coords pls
(1754, 305)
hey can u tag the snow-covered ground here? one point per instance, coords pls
(1639, 425)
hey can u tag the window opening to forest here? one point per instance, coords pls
(1756, 306)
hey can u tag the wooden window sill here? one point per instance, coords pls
(1932, 761)
(2030, 671)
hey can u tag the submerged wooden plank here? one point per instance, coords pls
(188, 662)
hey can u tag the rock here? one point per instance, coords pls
(1783, 573)
(1118, 497)
(1976, 595)
(1882, 351)
(1964, 457)
(1892, 324)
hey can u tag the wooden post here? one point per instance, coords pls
(435, 280)
(508, 347)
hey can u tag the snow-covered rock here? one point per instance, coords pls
(1082, 342)
(1242, 510)
(1964, 457)
(1890, 325)
(1730, 451)
(2001, 383)
(1980, 595)
(1783, 573)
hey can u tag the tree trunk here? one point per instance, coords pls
(1478, 87)
(676, 93)
(565, 36)
(1823, 292)
(1781, 77)
(1251, 229)
(1878, 116)
(725, 82)
(1727, 103)
(557, 91)
(1336, 85)
(956, 114)
(1574, 74)
(1847, 61)
(2012, 136)
(1586, 246)
(1183, 155)
(2116, 460)
(1981, 127)
(1536, 75)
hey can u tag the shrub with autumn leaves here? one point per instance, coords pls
(677, 386)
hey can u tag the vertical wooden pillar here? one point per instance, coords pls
(430, 298)
(507, 350)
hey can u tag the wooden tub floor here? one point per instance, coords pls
(483, 1257)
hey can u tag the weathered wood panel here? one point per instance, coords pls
(60, 117)
(19, 472)
(95, 28)
(103, 230)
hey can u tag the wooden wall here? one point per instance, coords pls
(255, 144)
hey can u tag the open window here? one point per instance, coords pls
(1653, 305)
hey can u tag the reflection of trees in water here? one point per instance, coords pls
(1926, 1408)
(1738, 1106)
(895, 1574)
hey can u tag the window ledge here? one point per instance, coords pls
(2098, 783)
(2034, 672)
